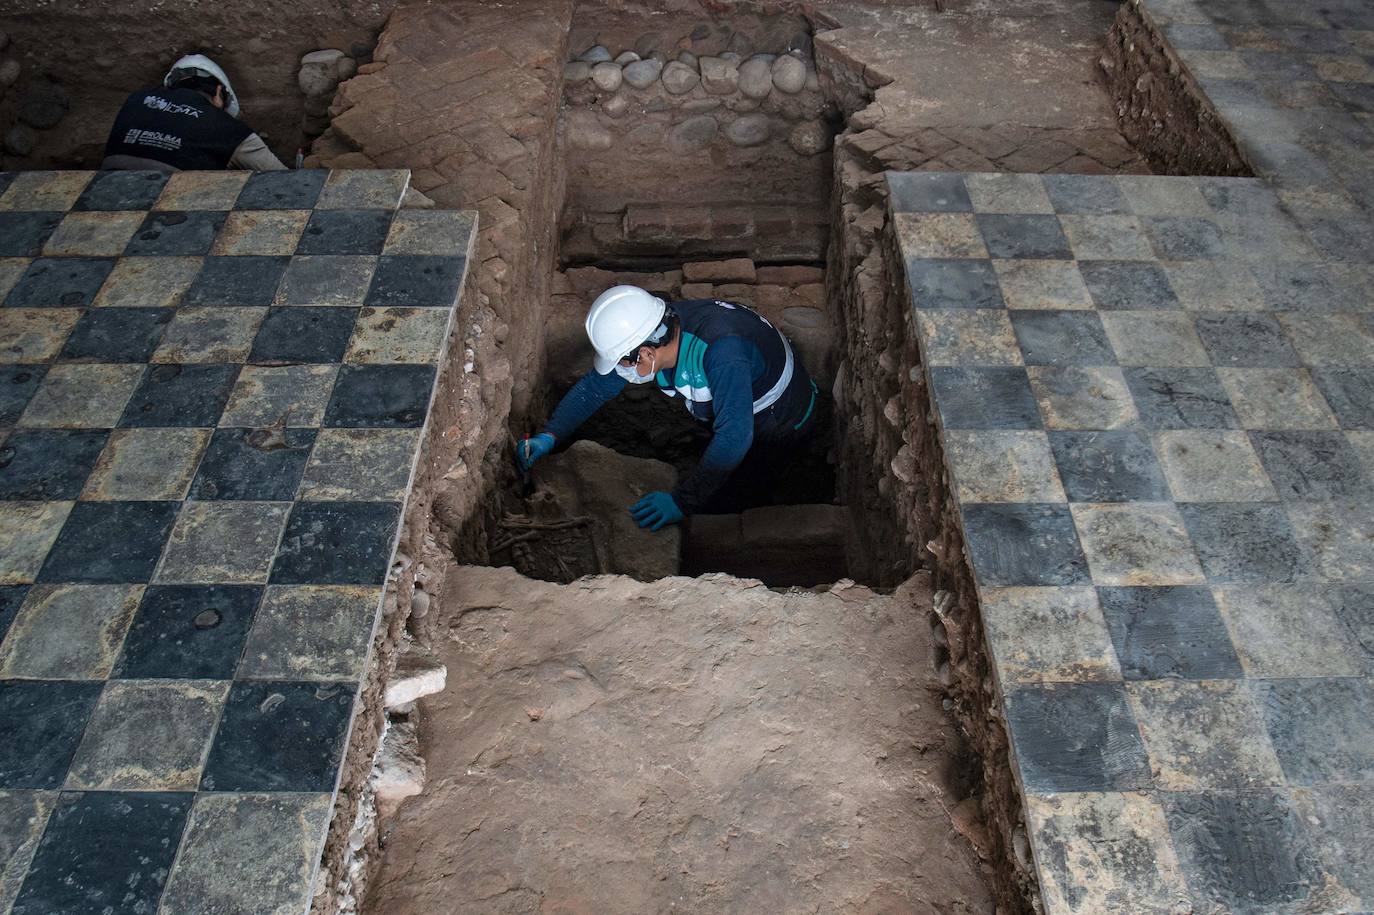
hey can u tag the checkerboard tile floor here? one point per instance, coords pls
(212, 393)
(1155, 398)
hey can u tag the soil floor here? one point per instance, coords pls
(694, 745)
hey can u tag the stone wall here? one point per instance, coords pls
(674, 152)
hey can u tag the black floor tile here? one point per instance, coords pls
(380, 396)
(1122, 285)
(279, 736)
(1024, 544)
(180, 395)
(928, 192)
(416, 281)
(122, 191)
(985, 398)
(110, 542)
(1062, 338)
(1245, 340)
(1181, 398)
(345, 232)
(60, 282)
(169, 234)
(295, 189)
(953, 284)
(188, 632)
(244, 281)
(24, 234)
(48, 465)
(17, 384)
(1240, 542)
(256, 464)
(11, 598)
(1184, 238)
(1169, 632)
(296, 334)
(1076, 737)
(41, 722)
(1085, 195)
(1322, 729)
(1014, 236)
(1350, 394)
(1242, 852)
(336, 543)
(1354, 607)
(117, 334)
(1110, 466)
(1311, 466)
(105, 853)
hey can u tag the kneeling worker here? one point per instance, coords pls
(732, 368)
(191, 122)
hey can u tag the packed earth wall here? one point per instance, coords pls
(1159, 105)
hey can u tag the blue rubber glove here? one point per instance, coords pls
(531, 449)
(655, 511)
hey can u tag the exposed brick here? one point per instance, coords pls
(698, 291)
(734, 270)
(790, 276)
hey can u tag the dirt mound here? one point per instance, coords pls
(697, 745)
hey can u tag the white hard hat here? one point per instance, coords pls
(621, 319)
(204, 66)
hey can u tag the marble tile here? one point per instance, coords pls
(946, 284)
(1048, 284)
(364, 188)
(260, 232)
(1107, 238)
(1083, 398)
(938, 235)
(284, 829)
(1048, 635)
(147, 282)
(152, 464)
(274, 396)
(1213, 465)
(190, 632)
(1075, 737)
(1108, 466)
(148, 736)
(114, 542)
(345, 232)
(1025, 236)
(1181, 398)
(1062, 338)
(292, 335)
(116, 335)
(984, 398)
(1241, 340)
(1240, 542)
(928, 192)
(1136, 543)
(993, 192)
(104, 852)
(1202, 735)
(332, 280)
(1164, 632)
(402, 335)
(1322, 729)
(1263, 619)
(55, 190)
(68, 632)
(294, 189)
(1311, 466)
(336, 543)
(44, 722)
(81, 396)
(217, 334)
(958, 337)
(360, 465)
(47, 464)
(262, 465)
(381, 396)
(172, 394)
(27, 532)
(1338, 536)
(93, 234)
(280, 736)
(1154, 338)
(202, 190)
(311, 633)
(23, 816)
(1023, 544)
(999, 466)
(222, 543)
(1107, 851)
(35, 334)
(1278, 398)
(121, 190)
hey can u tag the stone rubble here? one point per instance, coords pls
(418, 674)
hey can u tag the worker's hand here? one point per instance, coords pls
(655, 511)
(531, 449)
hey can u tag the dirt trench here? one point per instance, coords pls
(693, 745)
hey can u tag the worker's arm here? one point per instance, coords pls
(731, 363)
(591, 392)
(253, 153)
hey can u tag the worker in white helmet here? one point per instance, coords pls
(732, 369)
(190, 122)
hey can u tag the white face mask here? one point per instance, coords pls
(631, 374)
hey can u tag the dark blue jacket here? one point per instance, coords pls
(729, 357)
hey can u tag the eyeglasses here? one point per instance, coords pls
(631, 360)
